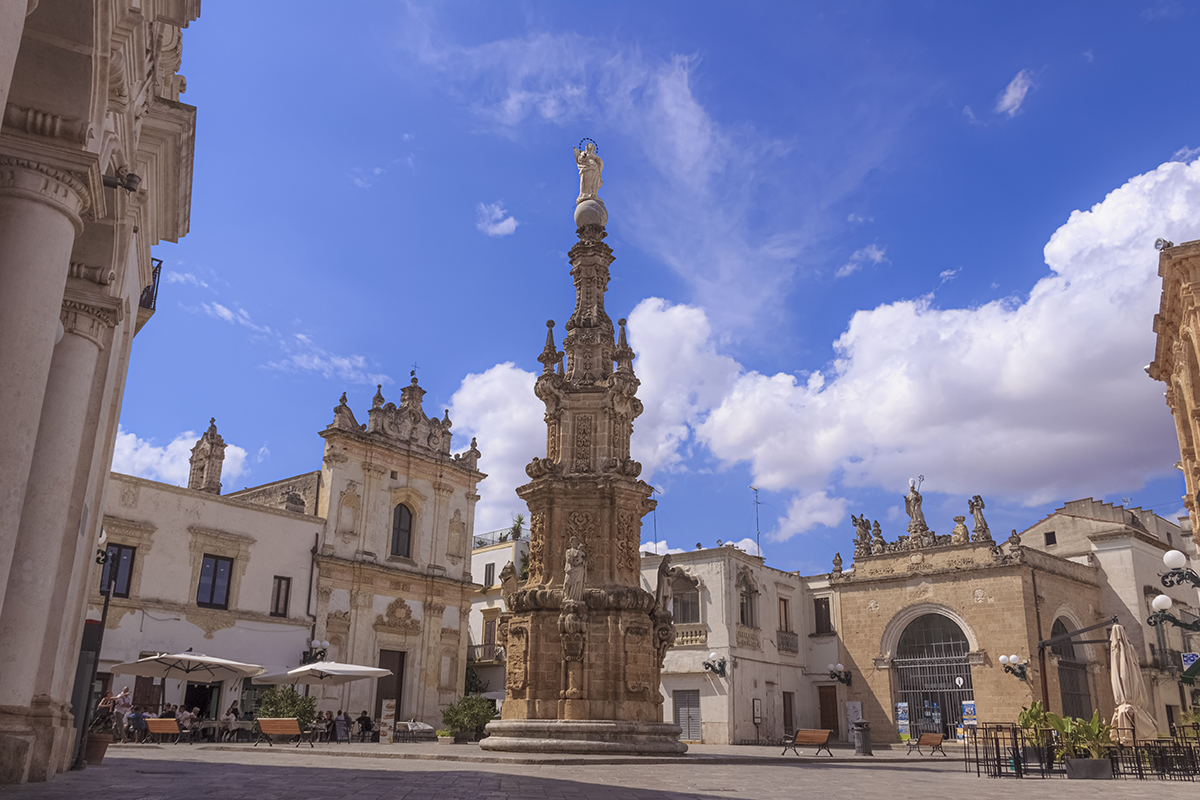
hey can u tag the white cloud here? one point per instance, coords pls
(947, 275)
(659, 548)
(504, 413)
(969, 114)
(1088, 56)
(169, 463)
(1014, 94)
(303, 355)
(748, 546)
(806, 512)
(694, 209)
(858, 218)
(1186, 154)
(263, 454)
(493, 221)
(871, 254)
(186, 277)
(239, 317)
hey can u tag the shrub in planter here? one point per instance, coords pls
(285, 701)
(467, 717)
(1084, 745)
(445, 737)
(95, 747)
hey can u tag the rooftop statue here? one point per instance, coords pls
(590, 168)
(912, 507)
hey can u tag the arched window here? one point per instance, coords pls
(1072, 674)
(747, 600)
(401, 530)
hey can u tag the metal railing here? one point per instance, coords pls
(787, 641)
(484, 652)
(499, 537)
(150, 294)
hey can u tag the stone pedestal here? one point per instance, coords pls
(583, 736)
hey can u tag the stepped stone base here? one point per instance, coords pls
(583, 736)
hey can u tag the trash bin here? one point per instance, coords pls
(862, 738)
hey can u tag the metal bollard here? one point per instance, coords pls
(862, 738)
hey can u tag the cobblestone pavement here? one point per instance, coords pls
(182, 773)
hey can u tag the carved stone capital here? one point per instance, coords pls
(89, 319)
(41, 123)
(63, 191)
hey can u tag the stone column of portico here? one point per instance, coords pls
(44, 556)
(40, 211)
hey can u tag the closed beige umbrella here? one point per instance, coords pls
(1129, 691)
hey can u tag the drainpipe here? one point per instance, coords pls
(1037, 610)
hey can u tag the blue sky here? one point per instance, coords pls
(856, 243)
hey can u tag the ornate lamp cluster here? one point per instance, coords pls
(1177, 574)
(1015, 665)
(715, 665)
(839, 673)
(317, 651)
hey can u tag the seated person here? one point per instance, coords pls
(137, 724)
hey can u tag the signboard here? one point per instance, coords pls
(968, 713)
(1189, 659)
(902, 721)
(387, 723)
(853, 713)
(758, 715)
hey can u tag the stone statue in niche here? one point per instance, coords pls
(575, 572)
(591, 167)
(981, 534)
(912, 507)
(508, 584)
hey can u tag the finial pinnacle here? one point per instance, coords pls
(549, 323)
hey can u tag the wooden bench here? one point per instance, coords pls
(281, 726)
(819, 738)
(931, 740)
(167, 726)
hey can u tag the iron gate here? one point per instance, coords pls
(933, 675)
(1072, 676)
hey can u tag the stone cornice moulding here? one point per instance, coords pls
(90, 317)
(41, 123)
(317, 522)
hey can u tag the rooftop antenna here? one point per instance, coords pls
(757, 542)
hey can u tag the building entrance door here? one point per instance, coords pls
(789, 725)
(687, 713)
(827, 705)
(390, 687)
(932, 674)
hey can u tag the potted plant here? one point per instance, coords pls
(1037, 730)
(466, 719)
(1084, 745)
(96, 746)
(445, 737)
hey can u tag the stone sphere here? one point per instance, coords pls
(591, 212)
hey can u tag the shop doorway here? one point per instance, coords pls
(205, 696)
(390, 687)
(828, 708)
(933, 675)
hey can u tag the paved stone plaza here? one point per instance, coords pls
(176, 772)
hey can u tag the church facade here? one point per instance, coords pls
(370, 553)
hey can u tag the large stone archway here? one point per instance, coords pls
(931, 671)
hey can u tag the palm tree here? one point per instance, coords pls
(518, 524)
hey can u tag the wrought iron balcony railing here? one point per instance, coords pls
(787, 641)
(150, 293)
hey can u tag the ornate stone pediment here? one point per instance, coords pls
(398, 618)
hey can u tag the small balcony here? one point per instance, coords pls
(149, 298)
(485, 653)
(694, 634)
(499, 537)
(787, 641)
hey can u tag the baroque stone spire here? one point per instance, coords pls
(208, 456)
(584, 642)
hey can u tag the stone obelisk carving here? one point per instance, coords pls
(584, 643)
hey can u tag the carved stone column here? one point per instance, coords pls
(40, 211)
(45, 552)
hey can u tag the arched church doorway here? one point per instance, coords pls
(932, 674)
(1072, 674)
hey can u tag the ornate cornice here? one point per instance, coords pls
(64, 191)
(101, 275)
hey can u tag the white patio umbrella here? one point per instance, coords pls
(188, 666)
(324, 673)
(1129, 690)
